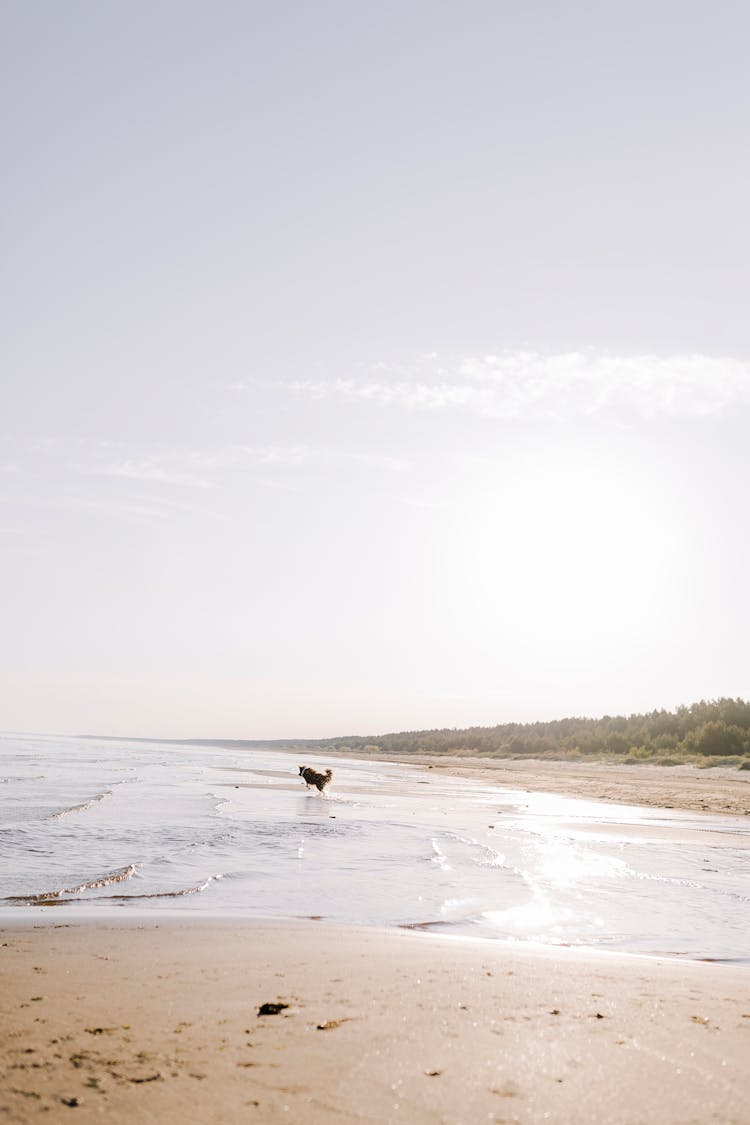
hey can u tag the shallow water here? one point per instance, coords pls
(99, 826)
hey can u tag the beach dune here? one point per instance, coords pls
(159, 1021)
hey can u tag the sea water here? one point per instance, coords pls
(98, 826)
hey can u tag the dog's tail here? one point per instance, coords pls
(329, 774)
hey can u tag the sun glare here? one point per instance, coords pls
(564, 552)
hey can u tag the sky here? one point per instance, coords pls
(371, 366)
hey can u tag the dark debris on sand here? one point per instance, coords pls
(271, 1008)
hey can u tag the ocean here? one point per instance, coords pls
(99, 827)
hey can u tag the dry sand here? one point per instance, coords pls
(158, 1022)
(717, 790)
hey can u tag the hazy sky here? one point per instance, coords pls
(371, 366)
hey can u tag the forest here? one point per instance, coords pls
(708, 733)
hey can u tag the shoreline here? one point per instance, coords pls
(720, 790)
(159, 1020)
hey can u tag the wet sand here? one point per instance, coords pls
(716, 790)
(159, 1022)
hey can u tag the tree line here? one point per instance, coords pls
(709, 730)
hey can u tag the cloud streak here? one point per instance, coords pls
(134, 507)
(528, 384)
(152, 472)
(201, 469)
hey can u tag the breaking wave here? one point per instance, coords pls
(80, 808)
(196, 890)
(59, 897)
(91, 885)
(439, 857)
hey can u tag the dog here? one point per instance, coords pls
(312, 777)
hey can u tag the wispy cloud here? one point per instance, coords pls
(369, 460)
(301, 454)
(202, 469)
(527, 384)
(282, 485)
(278, 455)
(134, 507)
(151, 471)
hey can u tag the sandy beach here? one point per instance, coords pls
(718, 790)
(160, 1022)
(147, 1016)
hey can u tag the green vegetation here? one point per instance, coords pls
(709, 733)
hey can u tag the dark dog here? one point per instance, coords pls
(312, 777)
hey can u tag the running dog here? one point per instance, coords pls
(312, 777)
